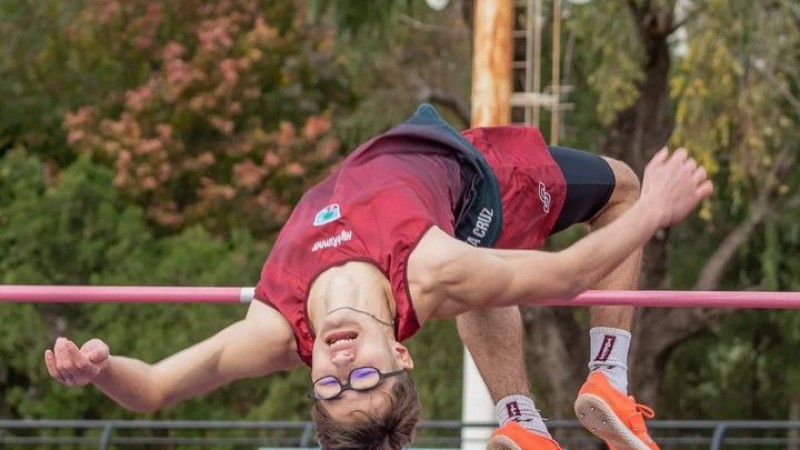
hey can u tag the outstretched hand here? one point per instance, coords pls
(75, 366)
(674, 184)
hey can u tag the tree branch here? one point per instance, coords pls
(714, 268)
(785, 93)
(691, 15)
(637, 11)
(760, 208)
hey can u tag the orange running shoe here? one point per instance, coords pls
(612, 416)
(512, 436)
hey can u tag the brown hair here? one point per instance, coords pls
(392, 429)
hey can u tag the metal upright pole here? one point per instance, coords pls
(555, 112)
(537, 57)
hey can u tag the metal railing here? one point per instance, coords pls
(108, 434)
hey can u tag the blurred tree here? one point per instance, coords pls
(400, 56)
(232, 120)
(212, 119)
(49, 67)
(730, 100)
(88, 235)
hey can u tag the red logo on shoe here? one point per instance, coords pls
(605, 348)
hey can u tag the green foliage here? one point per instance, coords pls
(417, 56)
(230, 122)
(164, 143)
(67, 213)
(62, 235)
(615, 57)
(438, 357)
(361, 16)
(52, 62)
(727, 103)
(78, 231)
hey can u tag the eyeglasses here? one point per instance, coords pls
(360, 379)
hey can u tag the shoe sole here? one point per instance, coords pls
(502, 443)
(597, 417)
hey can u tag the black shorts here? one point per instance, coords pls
(590, 183)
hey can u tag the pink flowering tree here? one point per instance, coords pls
(232, 118)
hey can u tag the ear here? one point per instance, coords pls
(402, 356)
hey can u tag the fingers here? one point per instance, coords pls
(96, 350)
(704, 186)
(661, 155)
(680, 156)
(705, 190)
(50, 362)
(97, 356)
(66, 363)
(699, 176)
(689, 166)
(79, 360)
(676, 182)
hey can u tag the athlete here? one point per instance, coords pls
(418, 224)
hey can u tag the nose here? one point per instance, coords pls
(343, 358)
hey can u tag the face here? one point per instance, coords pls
(347, 341)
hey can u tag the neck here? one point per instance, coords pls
(374, 317)
(355, 287)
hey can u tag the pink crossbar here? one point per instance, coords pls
(175, 294)
(684, 299)
(123, 294)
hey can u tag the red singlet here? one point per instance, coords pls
(383, 198)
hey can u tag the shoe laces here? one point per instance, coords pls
(645, 410)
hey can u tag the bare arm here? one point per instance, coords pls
(260, 344)
(457, 277)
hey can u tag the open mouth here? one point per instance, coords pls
(341, 337)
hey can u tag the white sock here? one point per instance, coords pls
(520, 409)
(609, 353)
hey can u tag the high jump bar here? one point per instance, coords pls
(224, 295)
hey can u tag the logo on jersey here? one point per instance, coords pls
(544, 196)
(482, 224)
(333, 241)
(327, 215)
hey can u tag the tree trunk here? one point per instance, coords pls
(558, 344)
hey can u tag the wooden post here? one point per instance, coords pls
(491, 105)
(491, 65)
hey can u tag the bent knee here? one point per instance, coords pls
(626, 182)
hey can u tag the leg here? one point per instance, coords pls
(626, 276)
(598, 191)
(486, 331)
(603, 405)
(606, 321)
(494, 339)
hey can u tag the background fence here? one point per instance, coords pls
(251, 435)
